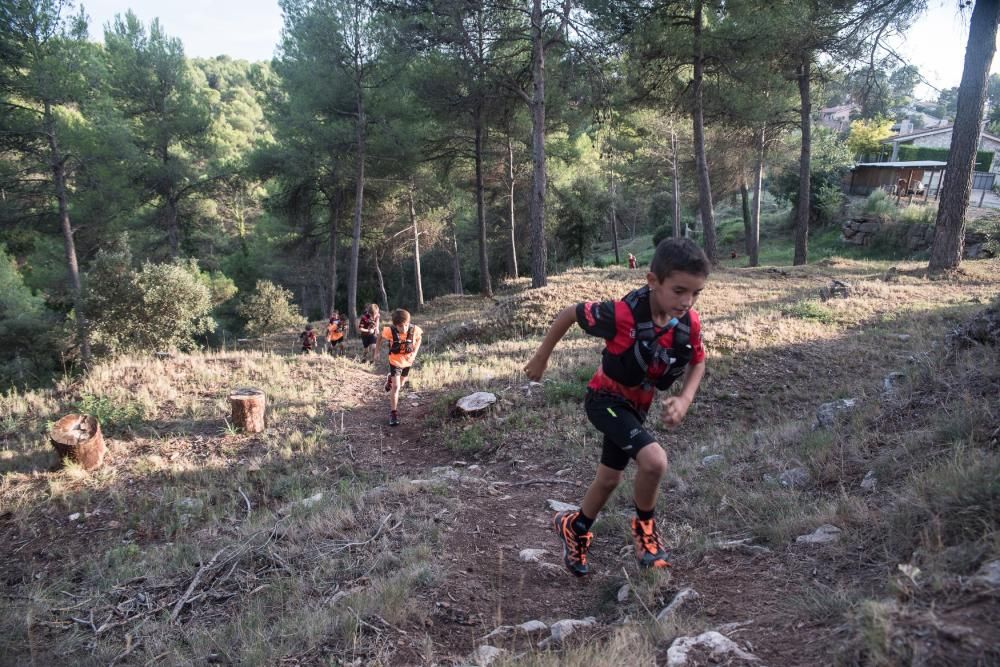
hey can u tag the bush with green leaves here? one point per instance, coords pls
(269, 309)
(878, 203)
(157, 307)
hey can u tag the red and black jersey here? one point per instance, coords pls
(639, 357)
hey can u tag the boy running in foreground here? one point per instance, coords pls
(653, 337)
(404, 341)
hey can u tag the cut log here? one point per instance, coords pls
(248, 409)
(78, 438)
(474, 403)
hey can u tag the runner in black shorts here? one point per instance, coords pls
(652, 339)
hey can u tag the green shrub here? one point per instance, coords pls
(879, 203)
(923, 215)
(269, 310)
(109, 412)
(160, 306)
(984, 159)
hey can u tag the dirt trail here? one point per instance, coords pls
(485, 585)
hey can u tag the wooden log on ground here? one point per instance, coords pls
(248, 407)
(78, 438)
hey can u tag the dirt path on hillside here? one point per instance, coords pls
(500, 508)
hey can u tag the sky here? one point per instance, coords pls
(250, 29)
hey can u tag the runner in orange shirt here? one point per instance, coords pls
(403, 338)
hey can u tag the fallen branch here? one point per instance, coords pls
(246, 499)
(541, 480)
(194, 582)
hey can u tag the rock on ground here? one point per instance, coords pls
(476, 402)
(559, 506)
(682, 652)
(564, 628)
(713, 460)
(870, 481)
(531, 555)
(485, 655)
(989, 573)
(682, 598)
(796, 478)
(823, 535)
(828, 413)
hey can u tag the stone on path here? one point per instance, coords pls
(476, 402)
(828, 413)
(870, 481)
(683, 597)
(683, 651)
(485, 655)
(559, 506)
(713, 460)
(823, 535)
(892, 382)
(989, 573)
(531, 555)
(623, 593)
(796, 478)
(564, 628)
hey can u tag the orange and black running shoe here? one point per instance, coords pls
(649, 550)
(575, 546)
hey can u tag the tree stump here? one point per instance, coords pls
(475, 403)
(78, 438)
(248, 409)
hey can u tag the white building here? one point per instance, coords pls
(940, 137)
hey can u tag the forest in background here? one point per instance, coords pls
(392, 152)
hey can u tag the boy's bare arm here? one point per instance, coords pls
(675, 407)
(566, 318)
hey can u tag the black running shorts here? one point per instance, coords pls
(396, 370)
(621, 425)
(367, 340)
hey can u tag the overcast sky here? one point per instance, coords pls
(250, 29)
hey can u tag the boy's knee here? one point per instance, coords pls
(653, 460)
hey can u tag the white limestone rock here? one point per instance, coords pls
(825, 534)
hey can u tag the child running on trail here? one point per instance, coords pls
(653, 336)
(404, 340)
(334, 332)
(368, 328)
(308, 338)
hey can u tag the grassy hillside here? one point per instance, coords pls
(333, 539)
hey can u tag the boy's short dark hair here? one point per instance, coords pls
(400, 317)
(679, 255)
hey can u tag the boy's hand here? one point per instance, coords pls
(535, 368)
(674, 410)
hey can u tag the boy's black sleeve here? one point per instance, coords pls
(597, 318)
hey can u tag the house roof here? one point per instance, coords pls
(916, 164)
(929, 132)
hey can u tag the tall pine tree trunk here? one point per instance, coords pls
(704, 184)
(949, 231)
(614, 219)
(676, 183)
(381, 282)
(539, 277)
(416, 251)
(745, 206)
(512, 250)
(802, 207)
(359, 194)
(58, 163)
(456, 263)
(485, 285)
(753, 249)
(332, 255)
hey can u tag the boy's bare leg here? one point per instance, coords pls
(394, 393)
(604, 484)
(652, 466)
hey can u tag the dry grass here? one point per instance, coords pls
(180, 480)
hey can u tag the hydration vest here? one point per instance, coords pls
(401, 346)
(632, 367)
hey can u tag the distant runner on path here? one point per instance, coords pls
(368, 328)
(631, 261)
(653, 337)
